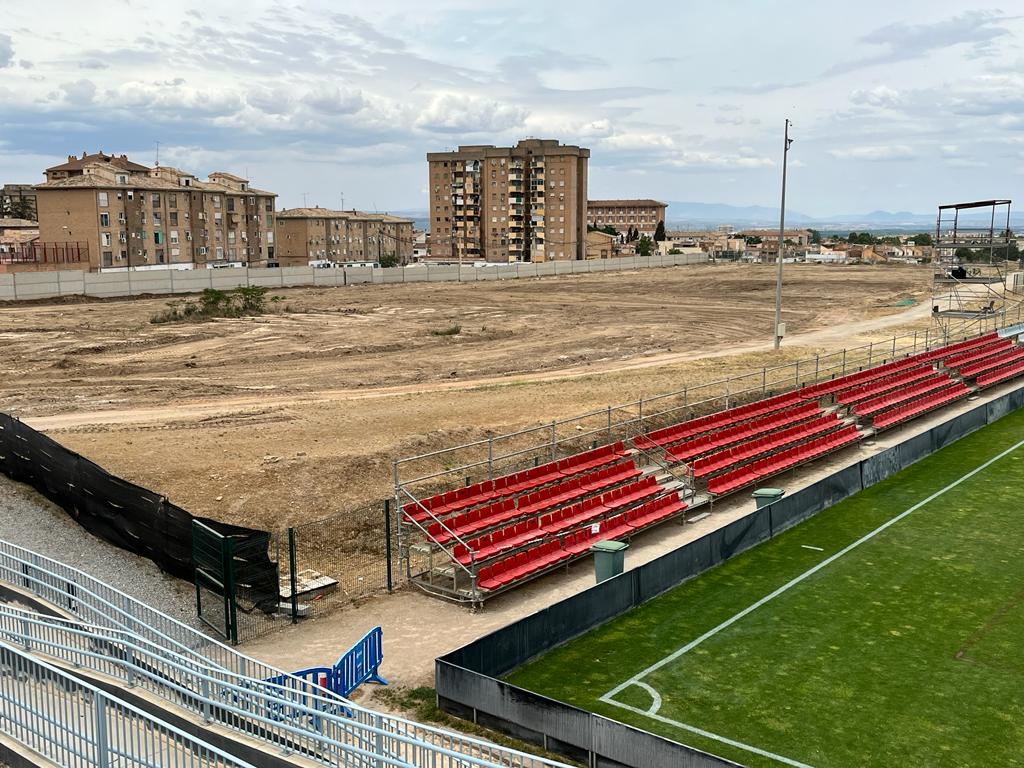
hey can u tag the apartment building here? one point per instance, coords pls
(323, 234)
(642, 215)
(508, 204)
(130, 215)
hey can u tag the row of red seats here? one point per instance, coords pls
(902, 413)
(941, 353)
(716, 440)
(850, 380)
(459, 499)
(782, 461)
(902, 395)
(978, 353)
(722, 460)
(881, 386)
(557, 495)
(1000, 374)
(584, 513)
(992, 363)
(715, 421)
(557, 551)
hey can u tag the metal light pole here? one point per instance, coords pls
(782, 237)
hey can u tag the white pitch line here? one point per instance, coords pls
(655, 697)
(714, 736)
(808, 546)
(806, 574)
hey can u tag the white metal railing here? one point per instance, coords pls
(72, 723)
(362, 728)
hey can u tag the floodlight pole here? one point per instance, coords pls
(782, 239)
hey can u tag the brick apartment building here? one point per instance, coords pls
(321, 234)
(508, 204)
(642, 215)
(123, 214)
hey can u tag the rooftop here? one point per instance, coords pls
(317, 212)
(640, 203)
(18, 224)
(117, 161)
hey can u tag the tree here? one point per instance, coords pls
(659, 232)
(644, 246)
(753, 240)
(388, 260)
(922, 238)
(815, 237)
(609, 230)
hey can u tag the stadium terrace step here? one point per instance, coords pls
(780, 462)
(723, 460)
(450, 502)
(715, 421)
(978, 353)
(852, 380)
(714, 441)
(930, 402)
(992, 363)
(902, 395)
(885, 385)
(1000, 375)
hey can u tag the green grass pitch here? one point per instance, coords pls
(886, 631)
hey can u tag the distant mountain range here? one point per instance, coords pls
(702, 215)
(682, 215)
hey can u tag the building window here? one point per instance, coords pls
(172, 201)
(158, 237)
(101, 199)
(122, 178)
(231, 204)
(216, 201)
(108, 258)
(155, 199)
(106, 239)
(104, 219)
(160, 255)
(174, 237)
(172, 218)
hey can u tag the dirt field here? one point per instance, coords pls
(275, 419)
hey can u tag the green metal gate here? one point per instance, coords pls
(213, 556)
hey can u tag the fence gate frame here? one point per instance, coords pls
(214, 570)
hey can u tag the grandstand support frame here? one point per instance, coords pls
(975, 291)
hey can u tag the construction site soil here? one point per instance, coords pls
(297, 414)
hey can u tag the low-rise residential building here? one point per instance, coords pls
(128, 215)
(800, 237)
(601, 245)
(317, 234)
(642, 215)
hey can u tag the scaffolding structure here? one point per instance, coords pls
(974, 284)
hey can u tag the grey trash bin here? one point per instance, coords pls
(766, 496)
(609, 558)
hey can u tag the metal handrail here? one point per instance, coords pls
(60, 717)
(101, 604)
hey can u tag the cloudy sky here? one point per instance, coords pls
(896, 105)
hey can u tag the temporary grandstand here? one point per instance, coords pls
(481, 538)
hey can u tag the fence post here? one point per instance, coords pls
(229, 588)
(894, 347)
(797, 368)
(387, 541)
(490, 458)
(102, 748)
(554, 442)
(609, 423)
(293, 575)
(844, 361)
(764, 380)
(871, 350)
(915, 342)
(640, 427)
(817, 361)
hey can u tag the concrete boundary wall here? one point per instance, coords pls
(47, 285)
(467, 679)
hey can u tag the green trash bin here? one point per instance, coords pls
(766, 496)
(609, 558)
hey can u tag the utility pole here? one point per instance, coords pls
(304, 199)
(343, 201)
(157, 154)
(779, 328)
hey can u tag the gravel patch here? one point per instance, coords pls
(31, 521)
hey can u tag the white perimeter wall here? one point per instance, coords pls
(42, 285)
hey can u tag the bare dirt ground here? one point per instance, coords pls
(349, 379)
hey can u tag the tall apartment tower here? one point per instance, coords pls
(508, 204)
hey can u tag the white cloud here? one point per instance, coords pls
(874, 153)
(463, 113)
(6, 51)
(79, 93)
(879, 96)
(335, 101)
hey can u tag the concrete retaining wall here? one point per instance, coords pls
(46, 285)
